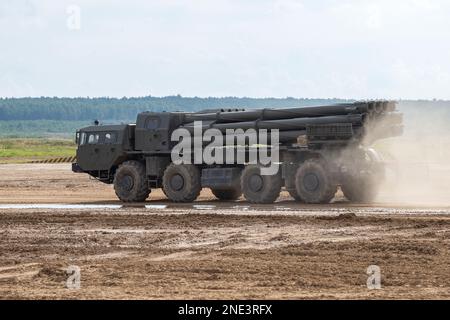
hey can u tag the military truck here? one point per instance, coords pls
(320, 149)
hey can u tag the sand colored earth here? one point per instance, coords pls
(51, 218)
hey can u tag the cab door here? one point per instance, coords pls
(110, 148)
(88, 152)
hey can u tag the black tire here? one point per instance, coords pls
(293, 193)
(227, 194)
(130, 183)
(359, 190)
(181, 183)
(314, 183)
(362, 185)
(259, 188)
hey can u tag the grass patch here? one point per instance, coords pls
(19, 150)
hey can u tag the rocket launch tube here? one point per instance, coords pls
(282, 124)
(283, 137)
(279, 114)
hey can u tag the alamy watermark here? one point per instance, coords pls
(73, 21)
(74, 279)
(235, 146)
(374, 279)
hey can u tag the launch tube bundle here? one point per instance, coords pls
(379, 118)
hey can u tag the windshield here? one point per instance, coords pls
(82, 138)
(97, 138)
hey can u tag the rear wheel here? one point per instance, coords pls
(181, 183)
(359, 189)
(314, 183)
(227, 194)
(130, 183)
(259, 188)
(362, 184)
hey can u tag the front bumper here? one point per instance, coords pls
(77, 168)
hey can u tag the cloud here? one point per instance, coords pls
(326, 48)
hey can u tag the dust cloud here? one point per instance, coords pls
(417, 163)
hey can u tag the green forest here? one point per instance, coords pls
(59, 117)
(81, 109)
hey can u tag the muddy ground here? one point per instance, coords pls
(210, 249)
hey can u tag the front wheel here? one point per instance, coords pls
(130, 183)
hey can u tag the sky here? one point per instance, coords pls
(356, 49)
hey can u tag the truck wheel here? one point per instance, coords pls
(293, 193)
(314, 183)
(359, 190)
(181, 183)
(259, 188)
(130, 183)
(362, 185)
(227, 194)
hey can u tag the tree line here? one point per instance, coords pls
(88, 109)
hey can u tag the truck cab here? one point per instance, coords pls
(102, 148)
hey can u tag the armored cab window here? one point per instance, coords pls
(152, 123)
(82, 138)
(110, 137)
(93, 138)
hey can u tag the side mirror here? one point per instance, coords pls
(77, 137)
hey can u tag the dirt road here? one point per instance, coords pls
(51, 219)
